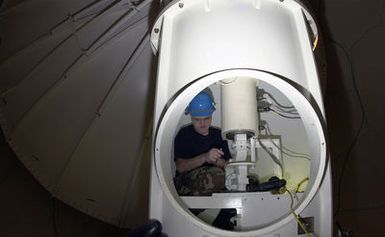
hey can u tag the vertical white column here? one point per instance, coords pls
(239, 106)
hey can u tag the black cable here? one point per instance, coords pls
(358, 132)
(348, 54)
(349, 57)
(282, 115)
(348, 157)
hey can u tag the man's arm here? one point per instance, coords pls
(213, 156)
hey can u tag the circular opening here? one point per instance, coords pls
(308, 127)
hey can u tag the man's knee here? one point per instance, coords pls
(212, 180)
(201, 182)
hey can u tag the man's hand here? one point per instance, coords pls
(214, 156)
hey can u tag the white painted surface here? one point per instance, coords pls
(200, 43)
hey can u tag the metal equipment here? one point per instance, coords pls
(256, 56)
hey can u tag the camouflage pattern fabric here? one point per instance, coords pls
(202, 181)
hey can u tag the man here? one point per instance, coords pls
(200, 154)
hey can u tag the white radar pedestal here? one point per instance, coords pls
(204, 44)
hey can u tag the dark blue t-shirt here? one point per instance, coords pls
(188, 143)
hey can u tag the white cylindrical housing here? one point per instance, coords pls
(195, 38)
(239, 107)
(202, 43)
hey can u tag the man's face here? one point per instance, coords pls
(201, 124)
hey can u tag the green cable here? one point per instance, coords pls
(295, 214)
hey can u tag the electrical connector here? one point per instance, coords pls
(262, 125)
(260, 93)
(263, 106)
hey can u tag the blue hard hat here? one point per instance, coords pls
(201, 106)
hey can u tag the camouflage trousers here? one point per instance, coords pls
(202, 181)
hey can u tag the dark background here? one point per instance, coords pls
(354, 39)
(355, 34)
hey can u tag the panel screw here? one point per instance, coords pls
(181, 5)
(156, 30)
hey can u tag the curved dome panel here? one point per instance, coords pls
(76, 98)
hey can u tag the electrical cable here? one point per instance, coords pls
(315, 43)
(288, 154)
(361, 126)
(283, 106)
(300, 184)
(281, 110)
(294, 156)
(285, 116)
(348, 55)
(275, 159)
(296, 216)
(282, 148)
